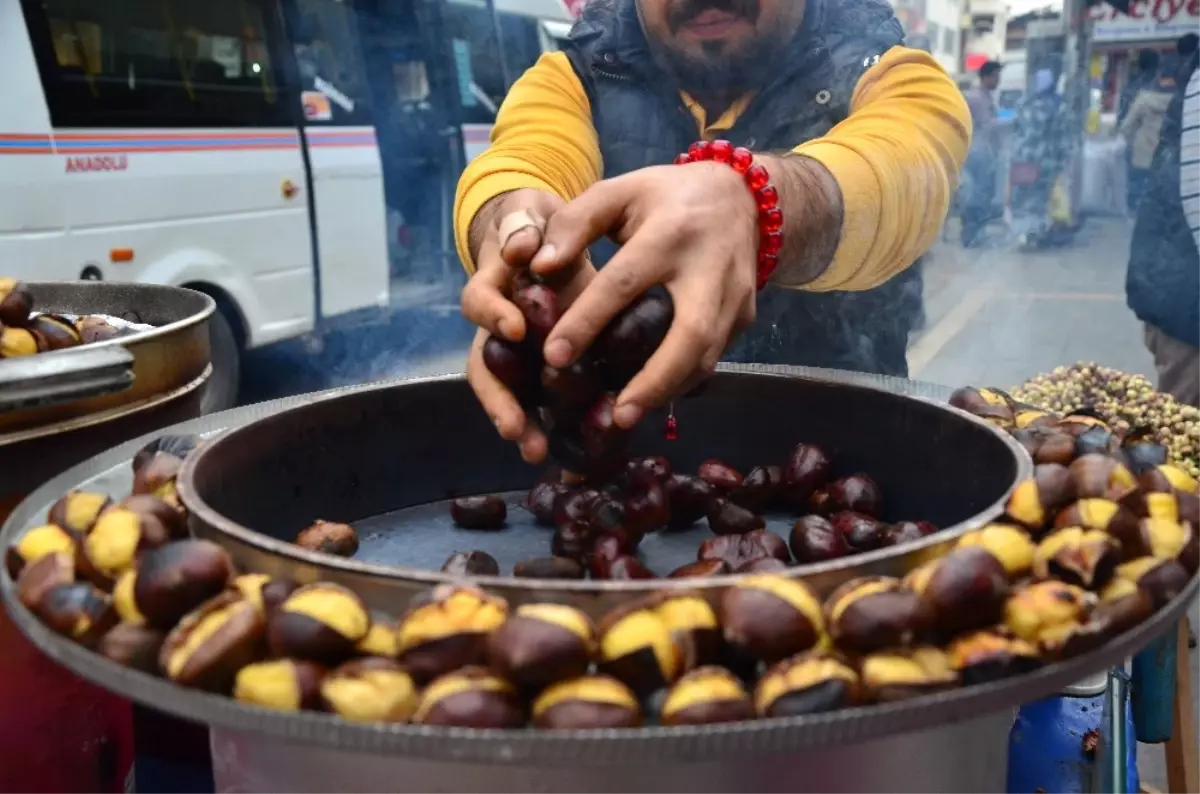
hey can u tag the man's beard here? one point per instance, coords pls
(717, 73)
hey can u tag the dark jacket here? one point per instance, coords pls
(642, 121)
(1162, 286)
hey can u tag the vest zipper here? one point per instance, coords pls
(620, 78)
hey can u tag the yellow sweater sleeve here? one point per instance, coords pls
(896, 158)
(543, 138)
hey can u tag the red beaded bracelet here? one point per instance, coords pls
(770, 218)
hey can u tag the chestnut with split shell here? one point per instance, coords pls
(808, 683)
(448, 629)
(133, 646)
(35, 544)
(541, 644)
(771, 617)
(964, 590)
(1097, 476)
(1083, 557)
(694, 625)
(208, 647)
(892, 675)
(706, 696)
(1052, 616)
(587, 702)
(44, 574)
(1009, 544)
(471, 697)
(77, 511)
(321, 622)
(638, 648)
(172, 581)
(872, 613)
(1034, 501)
(115, 543)
(280, 684)
(989, 655)
(77, 610)
(370, 690)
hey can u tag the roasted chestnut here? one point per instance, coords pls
(1167, 478)
(862, 532)
(35, 544)
(720, 475)
(1050, 614)
(116, 541)
(157, 477)
(770, 617)
(133, 646)
(1160, 579)
(700, 568)
(630, 338)
(470, 698)
(1168, 540)
(872, 613)
(16, 302)
(549, 568)
(638, 648)
(809, 683)
(627, 568)
(1033, 502)
(706, 696)
(1011, 545)
(329, 537)
(1083, 557)
(1101, 476)
(688, 499)
(857, 493)
(813, 539)
(587, 702)
(693, 624)
(727, 518)
(77, 610)
(471, 563)
(93, 328)
(1025, 416)
(907, 532)
(478, 512)
(807, 470)
(989, 655)
(370, 690)
(898, 675)
(58, 333)
(541, 644)
(737, 550)
(172, 581)
(77, 511)
(380, 641)
(173, 519)
(280, 684)
(19, 342)
(448, 629)
(42, 575)
(1098, 514)
(964, 590)
(261, 590)
(993, 405)
(320, 622)
(1124, 605)
(213, 642)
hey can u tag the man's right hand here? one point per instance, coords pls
(505, 234)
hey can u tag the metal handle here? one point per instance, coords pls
(63, 376)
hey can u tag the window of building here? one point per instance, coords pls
(154, 63)
(949, 41)
(934, 31)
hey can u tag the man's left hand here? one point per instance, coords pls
(691, 229)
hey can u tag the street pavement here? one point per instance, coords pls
(997, 317)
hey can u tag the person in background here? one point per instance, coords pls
(1142, 127)
(1040, 152)
(980, 185)
(1189, 156)
(1143, 77)
(862, 138)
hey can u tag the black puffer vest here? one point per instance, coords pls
(642, 121)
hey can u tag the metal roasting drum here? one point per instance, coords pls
(359, 453)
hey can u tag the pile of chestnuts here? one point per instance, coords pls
(598, 524)
(1086, 550)
(23, 333)
(1127, 403)
(574, 404)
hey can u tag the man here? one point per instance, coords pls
(1162, 286)
(1143, 77)
(1189, 156)
(981, 162)
(862, 138)
(1041, 148)
(1142, 127)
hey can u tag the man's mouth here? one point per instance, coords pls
(711, 23)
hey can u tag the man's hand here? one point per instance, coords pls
(505, 234)
(691, 229)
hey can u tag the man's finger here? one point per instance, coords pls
(697, 329)
(624, 278)
(582, 221)
(520, 237)
(483, 299)
(498, 402)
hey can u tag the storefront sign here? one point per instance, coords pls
(1147, 20)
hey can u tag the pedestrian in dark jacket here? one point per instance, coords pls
(1163, 283)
